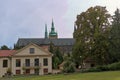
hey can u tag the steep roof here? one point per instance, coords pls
(6, 53)
(43, 41)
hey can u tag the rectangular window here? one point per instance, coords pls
(36, 71)
(32, 50)
(18, 63)
(45, 62)
(45, 70)
(18, 71)
(27, 71)
(27, 62)
(5, 63)
(36, 62)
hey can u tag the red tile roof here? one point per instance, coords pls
(6, 53)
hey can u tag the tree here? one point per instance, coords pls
(57, 58)
(92, 27)
(59, 55)
(100, 51)
(68, 67)
(51, 48)
(68, 64)
(4, 47)
(115, 37)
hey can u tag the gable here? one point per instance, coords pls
(32, 49)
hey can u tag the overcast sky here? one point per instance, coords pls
(27, 18)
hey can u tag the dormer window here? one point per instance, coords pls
(32, 50)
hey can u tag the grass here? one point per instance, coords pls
(110, 75)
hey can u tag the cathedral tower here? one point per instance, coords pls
(53, 34)
(46, 33)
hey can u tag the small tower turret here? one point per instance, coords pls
(46, 33)
(74, 27)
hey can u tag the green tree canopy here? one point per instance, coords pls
(4, 47)
(57, 57)
(115, 36)
(91, 26)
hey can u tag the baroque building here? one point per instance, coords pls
(31, 59)
(65, 44)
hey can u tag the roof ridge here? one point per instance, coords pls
(31, 38)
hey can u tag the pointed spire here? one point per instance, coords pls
(46, 33)
(45, 27)
(52, 27)
(52, 33)
(52, 24)
(74, 27)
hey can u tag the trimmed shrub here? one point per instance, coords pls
(93, 70)
(114, 66)
(103, 68)
(110, 67)
(98, 69)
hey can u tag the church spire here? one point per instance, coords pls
(46, 33)
(74, 27)
(52, 27)
(53, 34)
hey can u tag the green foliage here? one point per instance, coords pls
(69, 67)
(68, 64)
(58, 54)
(92, 36)
(115, 37)
(98, 68)
(51, 48)
(100, 51)
(55, 62)
(110, 67)
(114, 66)
(93, 70)
(57, 58)
(5, 47)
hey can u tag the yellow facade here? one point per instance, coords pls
(24, 54)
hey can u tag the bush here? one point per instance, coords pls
(103, 68)
(114, 66)
(69, 67)
(98, 69)
(93, 70)
(110, 67)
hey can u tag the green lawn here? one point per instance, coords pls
(111, 75)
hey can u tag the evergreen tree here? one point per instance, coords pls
(115, 37)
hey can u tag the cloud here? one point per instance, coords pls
(26, 18)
